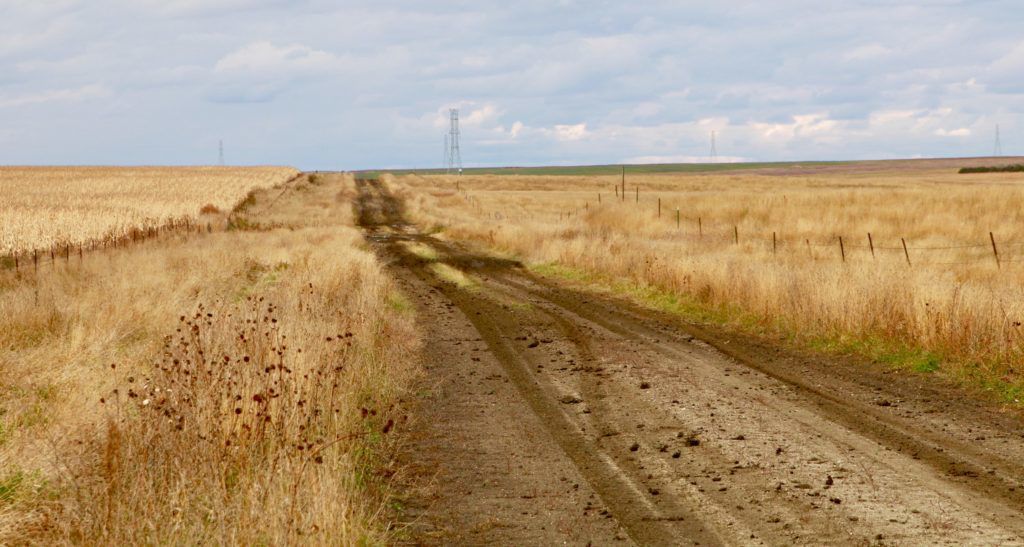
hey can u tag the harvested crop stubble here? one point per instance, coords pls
(44, 207)
(953, 305)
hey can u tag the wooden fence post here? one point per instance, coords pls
(871, 243)
(677, 218)
(905, 252)
(736, 234)
(638, 193)
(842, 249)
(599, 197)
(659, 207)
(995, 251)
(700, 228)
(775, 247)
(35, 260)
(623, 183)
(809, 255)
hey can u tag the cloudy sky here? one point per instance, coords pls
(323, 84)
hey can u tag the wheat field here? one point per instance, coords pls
(762, 253)
(46, 207)
(232, 388)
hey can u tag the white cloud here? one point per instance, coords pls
(517, 128)
(867, 52)
(93, 91)
(265, 57)
(802, 126)
(570, 132)
(961, 132)
(479, 117)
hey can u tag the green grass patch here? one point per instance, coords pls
(10, 485)
(648, 295)
(453, 275)
(426, 252)
(895, 354)
(398, 302)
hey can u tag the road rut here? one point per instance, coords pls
(641, 428)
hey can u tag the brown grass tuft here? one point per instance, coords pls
(210, 391)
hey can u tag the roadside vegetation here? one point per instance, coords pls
(932, 290)
(236, 387)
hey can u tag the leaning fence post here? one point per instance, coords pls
(736, 234)
(871, 243)
(842, 249)
(995, 251)
(905, 252)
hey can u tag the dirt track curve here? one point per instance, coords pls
(558, 416)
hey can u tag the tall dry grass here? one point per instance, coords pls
(45, 207)
(232, 388)
(953, 303)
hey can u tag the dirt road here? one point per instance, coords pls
(559, 416)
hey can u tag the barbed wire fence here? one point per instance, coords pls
(700, 229)
(33, 259)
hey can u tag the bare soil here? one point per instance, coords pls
(552, 414)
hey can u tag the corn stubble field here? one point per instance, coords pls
(761, 252)
(232, 387)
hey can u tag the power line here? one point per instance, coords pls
(714, 149)
(999, 143)
(221, 151)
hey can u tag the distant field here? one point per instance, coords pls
(777, 168)
(44, 207)
(583, 170)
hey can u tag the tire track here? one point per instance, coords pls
(690, 433)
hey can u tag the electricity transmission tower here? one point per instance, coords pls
(999, 143)
(714, 149)
(454, 163)
(220, 150)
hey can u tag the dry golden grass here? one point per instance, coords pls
(44, 207)
(256, 373)
(952, 304)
